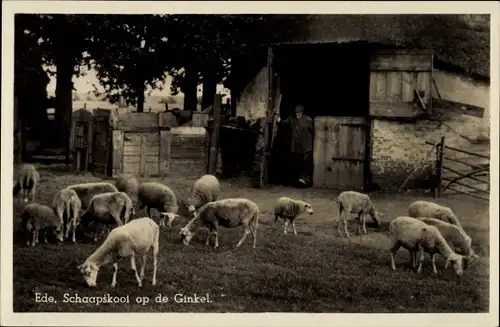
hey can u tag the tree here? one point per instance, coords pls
(61, 41)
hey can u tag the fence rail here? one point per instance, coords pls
(465, 181)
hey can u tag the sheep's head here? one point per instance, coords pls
(89, 271)
(469, 259)
(456, 262)
(186, 235)
(192, 209)
(307, 208)
(170, 217)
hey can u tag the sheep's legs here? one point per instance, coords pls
(247, 231)
(345, 228)
(155, 262)
(134, 268)
(207, 242)
(115, 271)
(363, 216)
(395, 247)
(216, 239)
(286, 226)
(35, 237)
(293, 225)
(253, 229)
(420, 259)
(433, 259)
(143, 267)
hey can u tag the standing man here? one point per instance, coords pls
(301, 145)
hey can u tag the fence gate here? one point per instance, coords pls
(461, 171)
(101, 148)
(340, 152)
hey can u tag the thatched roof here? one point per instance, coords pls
(460, 40)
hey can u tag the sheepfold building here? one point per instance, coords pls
(377, 86)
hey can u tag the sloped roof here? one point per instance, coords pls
(460, 40)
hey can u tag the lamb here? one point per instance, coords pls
(27, 182)
(128, 184)
(205, 189)
(229, 213)
(458, 240)
(37, 217)
(86, 191)
(108, 209)
(289, 209)
(433, 210)
(160, 197)
(359, 203)
(135, 238)
(416, 236)
(67, 204)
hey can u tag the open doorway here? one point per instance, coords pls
(328, 80)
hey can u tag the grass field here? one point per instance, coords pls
(315, 271)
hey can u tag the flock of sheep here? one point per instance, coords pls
(97, 207)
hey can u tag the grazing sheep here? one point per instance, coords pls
(457, 239)
(67, 205)
(229, 213)
(86, 191)
(432, 210)
(359, 203)
(108, 209)
(27, 182)
(128, 184)
(133, 239)
(38, 217)
(289, 209)
(416, 236)
(205, 189)
(157, 196)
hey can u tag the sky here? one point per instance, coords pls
(85, 83)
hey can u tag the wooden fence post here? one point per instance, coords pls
(439, 166)
(214, 140)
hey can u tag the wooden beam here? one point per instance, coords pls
(469, 194)
(467, 152)
(214, 140)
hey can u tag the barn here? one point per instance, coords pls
(377, 86)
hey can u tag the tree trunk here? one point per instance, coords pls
(140, 97)
(209, 87)
(190, 88)
(63, 101)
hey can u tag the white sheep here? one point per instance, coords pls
(27, 181)
(358, 203)
(205, 189)
(418, 237)
(153, 195)
(86, 191)
(133, 239)
(38, 217)
(432, 210)
(289, 209)
(103, 206)
(229, 213)
(456, 237)
(67, 205)
(128, 184)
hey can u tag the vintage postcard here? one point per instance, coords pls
(249, 163)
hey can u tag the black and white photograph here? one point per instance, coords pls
(270, 158)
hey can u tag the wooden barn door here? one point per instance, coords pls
(141, 153)
(339, 152)
(101, 143)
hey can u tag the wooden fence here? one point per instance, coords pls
(461, 171)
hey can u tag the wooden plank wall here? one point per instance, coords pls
(393, 79)
(339, 153)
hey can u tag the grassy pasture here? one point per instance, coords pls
(315, 271)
